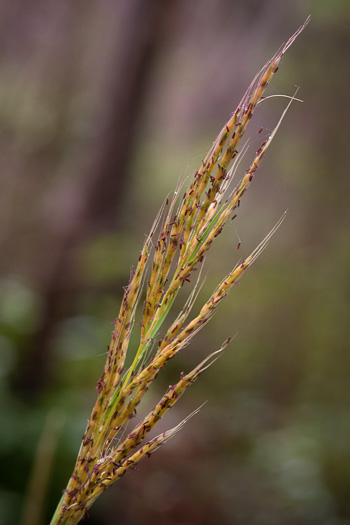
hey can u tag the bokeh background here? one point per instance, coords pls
(103, 106)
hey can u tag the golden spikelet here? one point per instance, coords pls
(181, 238)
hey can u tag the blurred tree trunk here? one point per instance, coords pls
(105, 182)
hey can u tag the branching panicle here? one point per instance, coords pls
(180, 237)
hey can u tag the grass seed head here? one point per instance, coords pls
(181, 235)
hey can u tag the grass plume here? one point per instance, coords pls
(183, 232)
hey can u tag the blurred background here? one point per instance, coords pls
(103, 106)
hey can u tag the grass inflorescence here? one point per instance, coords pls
(183, 232)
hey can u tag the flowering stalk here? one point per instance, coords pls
(181, 237)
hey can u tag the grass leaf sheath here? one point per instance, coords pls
(183, 232)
